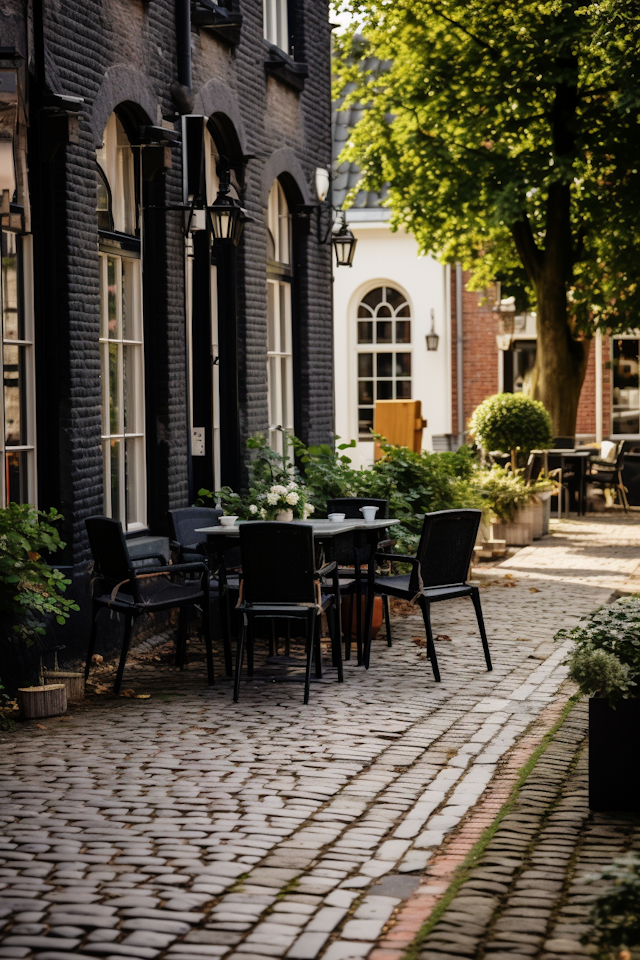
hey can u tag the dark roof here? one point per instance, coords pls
(346, 175)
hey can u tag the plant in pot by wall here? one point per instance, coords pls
(616, 912)
(508, 498)
(511, 423)
(605, 663)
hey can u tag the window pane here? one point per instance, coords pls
(365, 422)
(384, 390)
(14, 395)
(286, 413)
(131, 312)
(384, 365)
(383, 311)
(403, 331)
(404, 312)
(365, 364)
(403, 389)
(17, 476)
(284, 317)
(114, 391)
(132, 389)
(403, 364)
(394, 297)
(114, 479)
(373, 298)
(134, 449)
(271, 316)
(364, 311)
(365, 391)
(384, 331)
(112, 299)
(365, 332)
(12, 320)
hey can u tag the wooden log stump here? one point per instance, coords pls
(47, 701)
(74, 682)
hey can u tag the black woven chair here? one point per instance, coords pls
(119, 586)
(190, 546)
(439, 572)
(353, 551)
(606, 475)
(564, 443)
(280, 582)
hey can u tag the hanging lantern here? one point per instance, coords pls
(432, 337)
(344, 244)
(227, 216)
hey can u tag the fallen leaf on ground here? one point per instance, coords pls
(442, 636)
(419, 641)
(40, 726)
(508, 576)
(534, 590)
(524, 639)
(143, 696)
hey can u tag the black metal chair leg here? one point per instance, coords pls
(359, 612)
(208, 641)
(431, 647)
(250, 647)
(287, 640)
(336, 646)
(317, 635)
(92, 639)
(368, 625)
(475, 596)
(181, 639)
(309, 651)
(226, 634)
(273, 643)
(128, 624)
(239, 658)
(387, 618)
(347, 637)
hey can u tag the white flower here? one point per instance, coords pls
(253, 508)
(307, 510)
(292, 498)
(292, 486)
(263, 512)
(272, 498)
(279, 489)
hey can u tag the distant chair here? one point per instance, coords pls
(280, 582)
(118, 586)
(184, 523)
(608, 475)
(439, 572)
(564, 443)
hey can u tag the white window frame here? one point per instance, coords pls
(276, 23)
(378, 348)
(129, 433)
(279, 322)
(24, 276)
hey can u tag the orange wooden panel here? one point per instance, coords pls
(400, 422)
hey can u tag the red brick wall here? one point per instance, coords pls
(480, 362)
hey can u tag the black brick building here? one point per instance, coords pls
(135, 330)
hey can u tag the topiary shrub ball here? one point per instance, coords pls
(511, 421)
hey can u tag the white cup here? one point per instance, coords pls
(227, 521)
(369, 513)
(337, 517)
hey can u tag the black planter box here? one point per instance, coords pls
(614, 755)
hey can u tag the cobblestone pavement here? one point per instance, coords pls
(185, 826)
(529, 896)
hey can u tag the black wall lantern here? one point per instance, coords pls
(344, 244)
(227, 216)
(432, 337)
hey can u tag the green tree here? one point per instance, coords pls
(508, 133)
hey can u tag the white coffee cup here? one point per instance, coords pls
(369, 513)
(227, 521)
(337, 517)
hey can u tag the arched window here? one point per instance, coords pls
(121, 343)
(276, 23)
(384, 352)
(279, 338)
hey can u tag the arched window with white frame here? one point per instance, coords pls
(276, 23)
(279, 323)
(383, 352)
(121, 331)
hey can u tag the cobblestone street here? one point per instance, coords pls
(185, 826)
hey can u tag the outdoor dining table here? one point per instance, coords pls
(579, 461)
(220, 538)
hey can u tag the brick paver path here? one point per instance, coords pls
(185, 827)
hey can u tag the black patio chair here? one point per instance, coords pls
(439, 572)
(118, 586)
(353, 551)
(190, 546)
(280, 582)
(564, 443)
(606, 475)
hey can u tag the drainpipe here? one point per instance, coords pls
(459, 364)
(181, 92)
(598, 365)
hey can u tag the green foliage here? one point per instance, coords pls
(614, 629)
(503, 491)
(509, 136)
(616, 913)
(511, 422)
(30, 589)
(599, 673)
(5, 722)
(274, 485)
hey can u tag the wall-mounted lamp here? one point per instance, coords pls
(227, 216)
(344, 244)
(432, 337)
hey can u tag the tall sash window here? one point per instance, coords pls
(279, 337)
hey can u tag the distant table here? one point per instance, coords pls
(579, 461)
(322, 529)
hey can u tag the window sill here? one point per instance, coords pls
(284, 68)
(219, 21)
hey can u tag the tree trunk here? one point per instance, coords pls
(561, 361)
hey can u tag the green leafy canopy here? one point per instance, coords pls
(480, 111)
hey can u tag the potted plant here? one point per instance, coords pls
(516, 512)
(511, 423)
(605, 663)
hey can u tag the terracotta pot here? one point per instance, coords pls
(378, 614)
(284, 516)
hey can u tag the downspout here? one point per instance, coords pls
(181, 92)
(459, 358)
(598, 365)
